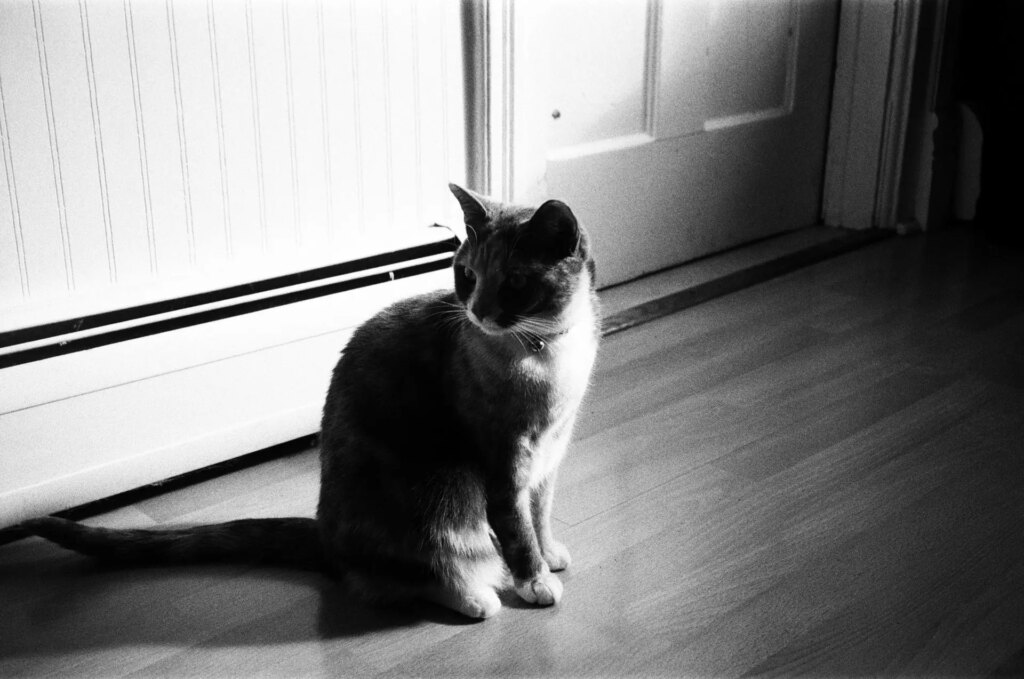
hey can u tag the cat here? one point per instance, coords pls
(443, 428)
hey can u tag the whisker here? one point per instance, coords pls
(533, 337)
(513, 248)
(538, 325)
(518, 338)
(450, 318)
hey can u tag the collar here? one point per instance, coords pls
(538, 344)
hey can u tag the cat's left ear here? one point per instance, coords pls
(554, 228)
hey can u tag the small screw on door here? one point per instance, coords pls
(556, 114)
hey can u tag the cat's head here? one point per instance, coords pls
(520, 269)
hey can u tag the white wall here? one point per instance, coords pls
(152, 148)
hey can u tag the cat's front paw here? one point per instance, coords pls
(557, 556)
(544, 590)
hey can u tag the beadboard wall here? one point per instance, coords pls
(154, 149)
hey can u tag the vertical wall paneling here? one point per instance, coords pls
(158, 148)
(341, 105)
(371, 116)
(440, 120)
(308, 120)
(453, 151)
(387, 120)
(118, 164)
(400, 98)
(27, 140)
(201, 150)
(289, 79)
(56, 164)
(254, 107)
(417, 81)
(13, 276)
(140, 138)
(97, 138)
(274, 128)
(218, 108)
(325, 129)
(430, 102)
(241, 162)
(179, 108)
(161, 140)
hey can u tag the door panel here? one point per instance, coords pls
(674, 129)
(594, 72)
(750, 59)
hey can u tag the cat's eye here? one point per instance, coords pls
(467, 273)
(516, 281)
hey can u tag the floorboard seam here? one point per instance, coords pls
(737, 280)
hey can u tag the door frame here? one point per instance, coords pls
(870, 116)
(868, 174)
(491, 42)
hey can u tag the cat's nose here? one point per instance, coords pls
(482, 312)
(484, 320)
(481, 319)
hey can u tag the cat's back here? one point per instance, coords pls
(393, 368)
(407, 330)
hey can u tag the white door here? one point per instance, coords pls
(675, 128)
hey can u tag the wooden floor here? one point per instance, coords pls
(819, 475)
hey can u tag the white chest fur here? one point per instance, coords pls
(565, 365)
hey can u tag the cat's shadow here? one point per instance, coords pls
(74, 604)
(342, 616)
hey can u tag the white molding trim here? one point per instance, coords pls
(489, 29)
(919, 157)
(476, 55)
(897, 112)
(870, 112)
(499, 92)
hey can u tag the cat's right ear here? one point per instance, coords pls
(474, 206)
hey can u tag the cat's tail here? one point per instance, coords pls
(289, 542)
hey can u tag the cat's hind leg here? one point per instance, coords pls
(480, 603)
(472, 597)
(471, 587)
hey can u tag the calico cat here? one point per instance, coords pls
(443, 428)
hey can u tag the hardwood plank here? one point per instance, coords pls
(800, 569)
(659, 379)
(831, 422)
(293, 479)
(900, 620)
